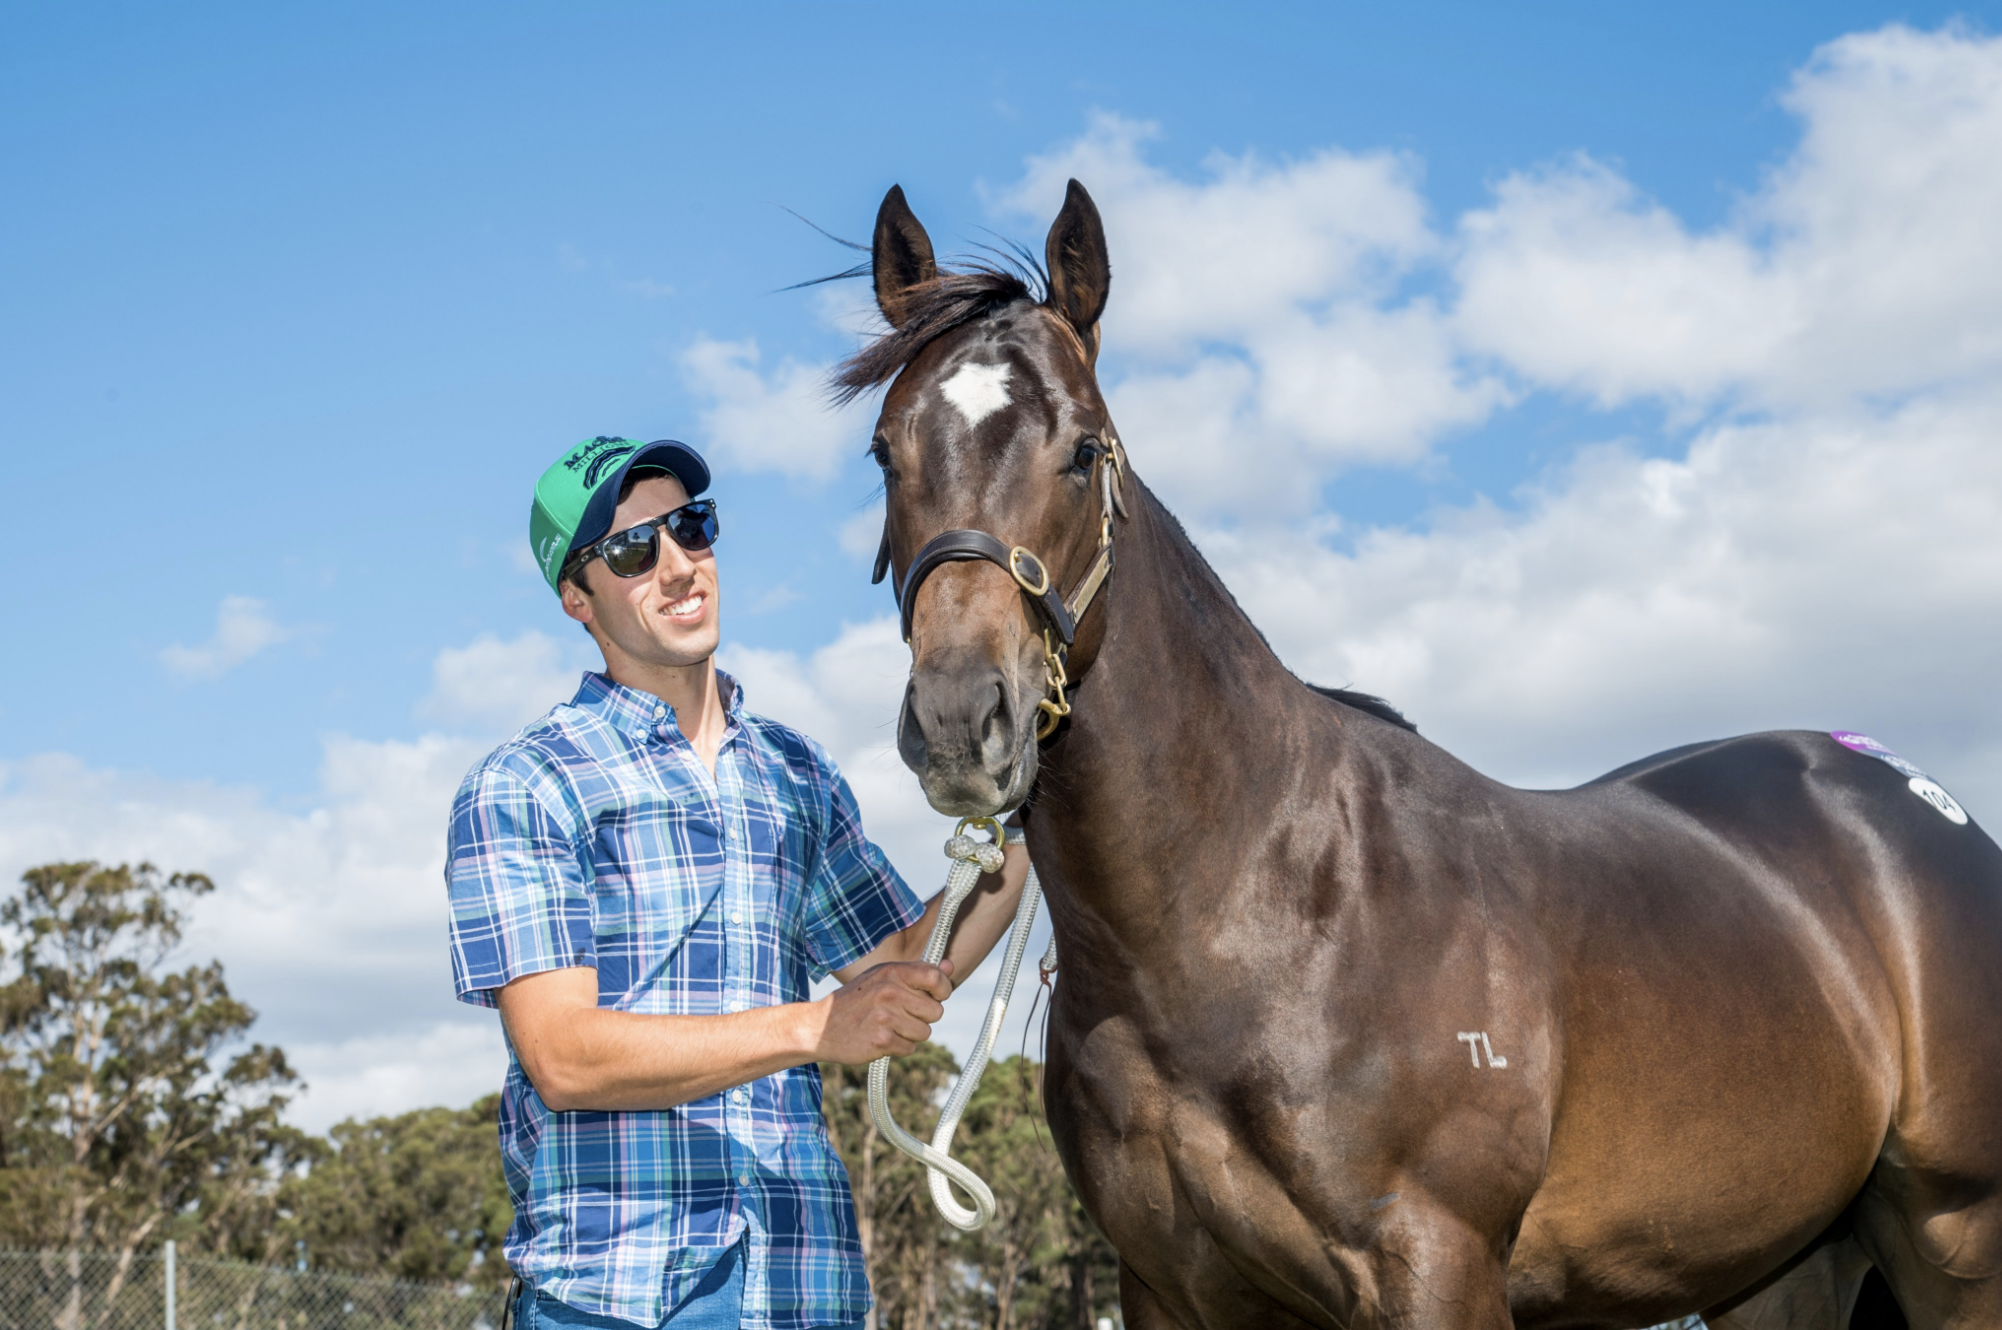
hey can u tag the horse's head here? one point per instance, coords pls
(994, 425)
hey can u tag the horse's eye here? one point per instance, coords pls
(1086, 454)
(880, 450)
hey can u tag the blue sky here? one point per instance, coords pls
(298, 302)
(295, 304)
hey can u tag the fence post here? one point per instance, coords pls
(168, 1250)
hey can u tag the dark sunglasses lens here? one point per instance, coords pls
(694, 526)
(633, 552)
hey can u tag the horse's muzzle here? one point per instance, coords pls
(969, 733)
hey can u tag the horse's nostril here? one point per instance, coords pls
(996, 731)
(911, 744)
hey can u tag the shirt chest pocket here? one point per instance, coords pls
(765, 840)
(658, 867)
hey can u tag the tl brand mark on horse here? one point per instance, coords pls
(1477, 1044)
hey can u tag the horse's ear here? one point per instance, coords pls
(1080, 270)
(902, 256)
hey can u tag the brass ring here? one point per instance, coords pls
(992, 826)
(1015, 557)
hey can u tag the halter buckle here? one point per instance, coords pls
(1016, 556)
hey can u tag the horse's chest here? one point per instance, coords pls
(1184, 1192)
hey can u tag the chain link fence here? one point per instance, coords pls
(93, 1291)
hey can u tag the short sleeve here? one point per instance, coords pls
(520, 898)
(855, 898)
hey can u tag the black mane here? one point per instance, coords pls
(1368, 702)
(932, 309)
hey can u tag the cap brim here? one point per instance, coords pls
(669, 455)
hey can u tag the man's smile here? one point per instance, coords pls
(689, 606)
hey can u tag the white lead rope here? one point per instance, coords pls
(970, 858)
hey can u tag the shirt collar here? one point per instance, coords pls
(629, 710)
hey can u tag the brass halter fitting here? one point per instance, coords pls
(990, 825)
(1016, 558)
(1056, 706)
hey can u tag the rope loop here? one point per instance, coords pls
(969, 858)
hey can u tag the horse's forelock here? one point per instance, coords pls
(951, 300)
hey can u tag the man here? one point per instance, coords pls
(645, 882)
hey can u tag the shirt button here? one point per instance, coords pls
(736, 916)
(660, 713)
(743, 1179)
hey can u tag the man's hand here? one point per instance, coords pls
(886, 1012)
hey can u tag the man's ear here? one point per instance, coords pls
(575, 603)
(902, 256)
(1080, 270)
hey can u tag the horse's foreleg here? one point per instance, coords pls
(1434, 1273)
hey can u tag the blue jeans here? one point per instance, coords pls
(716, 1304)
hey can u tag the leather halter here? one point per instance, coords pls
(1060, 615)
(966, 544)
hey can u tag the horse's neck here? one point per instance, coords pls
(1182, 706)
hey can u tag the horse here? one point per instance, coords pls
(1348, 1034)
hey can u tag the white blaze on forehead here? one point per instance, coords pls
(978, 391)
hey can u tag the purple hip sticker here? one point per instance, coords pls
(1864, 744)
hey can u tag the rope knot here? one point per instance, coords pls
(989, 857)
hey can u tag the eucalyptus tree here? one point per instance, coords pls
(131, 1107)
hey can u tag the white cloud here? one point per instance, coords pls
(1262, 305)
(496, 686)
(778, 421)
(242, 629)
(330, 921)
(452, 1062)
(1253, 243)
(1835, 572)
(1864, 264)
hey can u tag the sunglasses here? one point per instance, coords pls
(636, 550)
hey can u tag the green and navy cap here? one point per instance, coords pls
(575, 498)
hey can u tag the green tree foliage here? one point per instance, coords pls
(1042, 1263)
(900, 1231)
(128, 1119)
(133, 1109)
(418, 1196)
(1039, 1266)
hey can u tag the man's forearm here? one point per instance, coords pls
(608, 1060)
(579, 1056)
(983, 919)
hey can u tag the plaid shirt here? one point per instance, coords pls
(596, 837)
